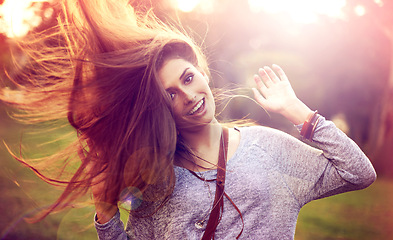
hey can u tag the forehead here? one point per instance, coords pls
(172, 70)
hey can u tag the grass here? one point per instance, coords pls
(22, 194)
(365, 214)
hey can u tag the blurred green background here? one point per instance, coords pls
(337, 55)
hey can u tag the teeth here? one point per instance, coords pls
(196, 107)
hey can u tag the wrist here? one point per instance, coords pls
(309, 126)
(103, 215)
(297, 112)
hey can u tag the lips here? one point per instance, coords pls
(197, 108)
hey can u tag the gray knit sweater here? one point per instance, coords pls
(270, 177)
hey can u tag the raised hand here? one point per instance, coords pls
(275, 94)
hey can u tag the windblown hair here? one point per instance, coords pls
(98, 68)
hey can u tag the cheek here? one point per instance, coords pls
(177, 109)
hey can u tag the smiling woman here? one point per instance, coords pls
(137, 93)
(193, 101)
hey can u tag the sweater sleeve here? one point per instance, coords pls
(334, 166)
(111, 230)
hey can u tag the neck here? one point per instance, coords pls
(205, 142)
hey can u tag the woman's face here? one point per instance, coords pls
(193, 101)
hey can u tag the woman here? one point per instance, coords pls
(137, 93)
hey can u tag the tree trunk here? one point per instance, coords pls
(381, 145)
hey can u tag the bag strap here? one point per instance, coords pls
(218, 204)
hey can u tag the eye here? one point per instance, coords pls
(188, 78)
(172, 95)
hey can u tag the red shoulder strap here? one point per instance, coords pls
(218, 204)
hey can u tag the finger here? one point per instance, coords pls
(271, 74)
(261, 86)
(280, 72)
(265, 77)
(258, 97)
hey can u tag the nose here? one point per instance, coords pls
(189, 97)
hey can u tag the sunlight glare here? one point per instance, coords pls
(304, 11)
(186, 5)
(18, 17)
(379, 3)
(203, 6)
(360, 10)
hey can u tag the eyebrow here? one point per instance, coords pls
(184, 73)
(181, 77)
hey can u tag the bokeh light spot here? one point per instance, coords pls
(303, 11)
(360, 10)
(186, 5)
(379, 3)
(131, 198)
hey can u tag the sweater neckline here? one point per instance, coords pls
(213, 172)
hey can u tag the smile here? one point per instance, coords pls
(197, 107)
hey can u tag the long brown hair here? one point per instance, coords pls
(98, 68)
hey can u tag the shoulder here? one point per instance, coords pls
(260, 143)
(261, 133)
(266, 138)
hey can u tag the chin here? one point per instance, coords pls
(193, 125)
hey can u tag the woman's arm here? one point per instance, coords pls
(107, 218)
(105, 209)
(341, 165)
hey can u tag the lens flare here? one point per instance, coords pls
(131, 198)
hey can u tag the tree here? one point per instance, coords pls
(377, 14)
